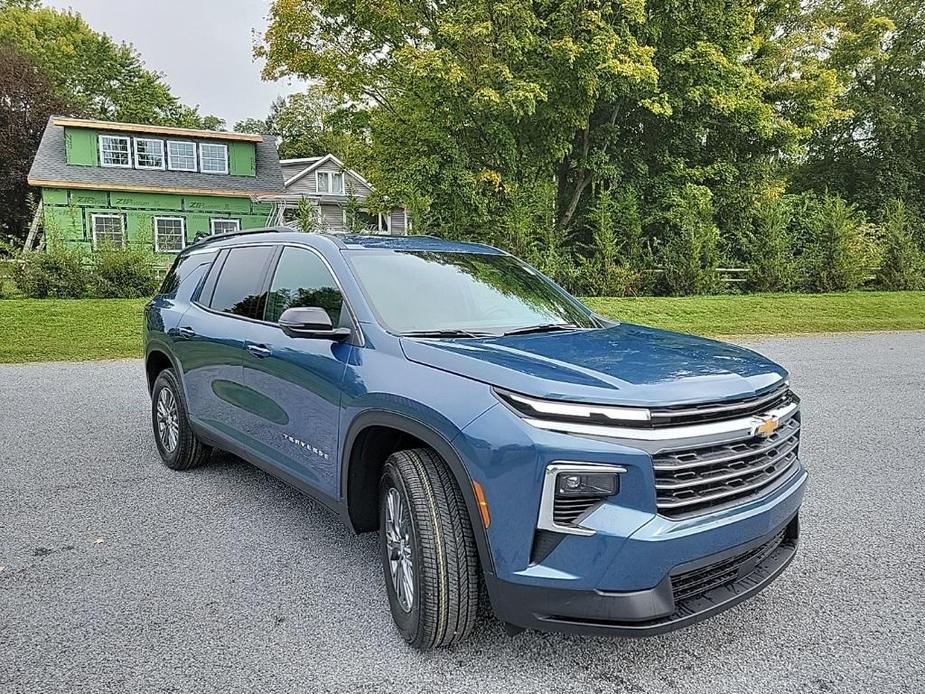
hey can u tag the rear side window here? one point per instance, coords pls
(185, 274)
(302, 279)
(239, 287)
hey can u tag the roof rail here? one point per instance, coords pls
(232, 234)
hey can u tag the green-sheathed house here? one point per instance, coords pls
(120, 184)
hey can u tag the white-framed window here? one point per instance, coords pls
(213, 158)
(115, 150)
(149, 153)
(225, 226)
(181, 156)
(169, 234)
(330, 182)
(108, 230)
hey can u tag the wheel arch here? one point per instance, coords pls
(156, 360)
(375, 435)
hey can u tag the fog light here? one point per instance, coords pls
(600, 484)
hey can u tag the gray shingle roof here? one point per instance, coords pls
(50, 165)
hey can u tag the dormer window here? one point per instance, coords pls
(149, 153)
(213, 158)
(115, 150)
(331, 182)
(181, 156)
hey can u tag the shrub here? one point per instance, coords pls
(612, 265)
(125, 274)
(840, 247)
(307, 217)
(769, 248)
(59, 274)
(550, 255)
(690, 256)
(903, 264)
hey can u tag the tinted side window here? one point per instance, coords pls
(238, 289)
(302, 279)
(182, 273)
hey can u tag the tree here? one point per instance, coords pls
(903, 264)
(310, 124)
(97, 76)
(27, 99)
(874, 153)
(470, 101)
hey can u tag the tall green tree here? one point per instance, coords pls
(310, 124)
(99, 77)
(27, 99)
(874, 153)
(470, 101)
(744, 87)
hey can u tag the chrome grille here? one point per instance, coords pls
(693, 481)
(718, 411)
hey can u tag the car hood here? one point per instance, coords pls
(625, 364)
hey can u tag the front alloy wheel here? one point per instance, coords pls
(399, 548)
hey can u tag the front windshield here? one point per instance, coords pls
(478, 293)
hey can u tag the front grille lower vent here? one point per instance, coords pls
(694, 481)
(699, 581)
(568, 510)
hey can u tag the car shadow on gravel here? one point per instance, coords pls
(298, 519)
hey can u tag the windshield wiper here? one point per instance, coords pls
(544, 328)
(445, 333)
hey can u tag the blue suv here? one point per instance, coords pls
(598, 477)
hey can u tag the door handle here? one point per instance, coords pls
(259, 351)
(187, 332)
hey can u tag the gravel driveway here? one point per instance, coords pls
(121, 576)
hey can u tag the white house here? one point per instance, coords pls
(338, 195)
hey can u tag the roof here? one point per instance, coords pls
(303, 160)
(352, 242)
(315, 162)
(51, 170)
(155, 129)
(412, 243)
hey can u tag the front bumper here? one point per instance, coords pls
(729, 577)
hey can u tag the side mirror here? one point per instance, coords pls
(311, 322)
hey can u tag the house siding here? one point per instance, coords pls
(308, 184)
(242, 159)
(68, 214)
(80, 147)
(397, 220)
(331, 217)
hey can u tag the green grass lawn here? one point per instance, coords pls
(69, 330)
(62, 330)
(771, 314)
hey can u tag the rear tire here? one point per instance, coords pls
(434, 533)
(179, 447)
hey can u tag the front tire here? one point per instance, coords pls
(179, 447)
(428, 550)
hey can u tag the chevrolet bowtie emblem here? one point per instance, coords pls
(767, 427)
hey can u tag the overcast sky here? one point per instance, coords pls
(203, 47)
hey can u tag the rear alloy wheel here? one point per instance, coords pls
(429, 557)
(167, 418)
(176, 442)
